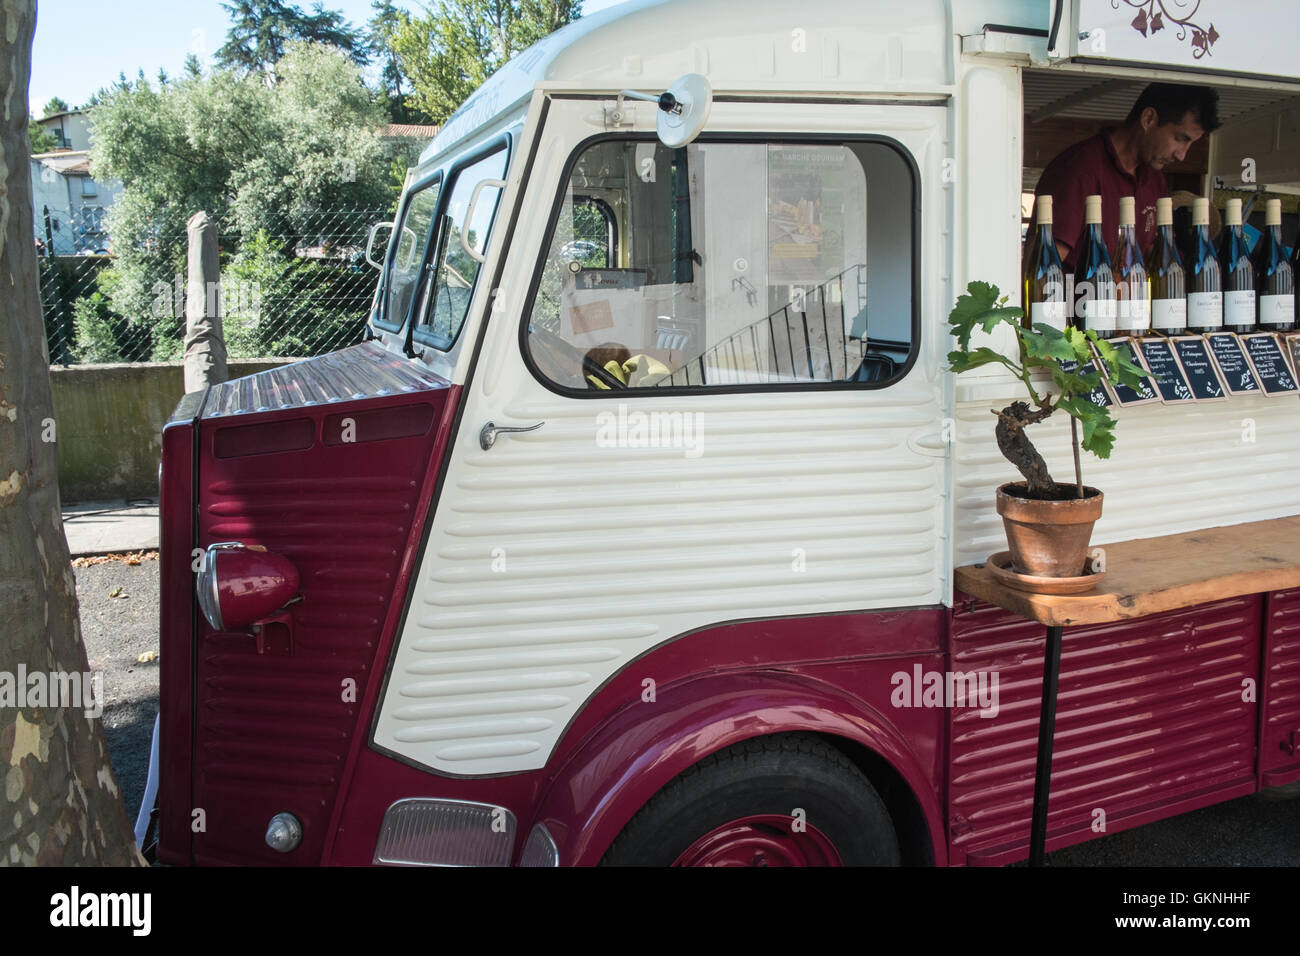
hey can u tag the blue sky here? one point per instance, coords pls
(82, 45)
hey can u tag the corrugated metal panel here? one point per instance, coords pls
(555, 561)
(367, 370)
(1173, 469)
(596, 549)
(273, 729)
(1149, 711)
(1279, 746)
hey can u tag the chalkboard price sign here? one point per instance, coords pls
(1101, 394)
(1270, 365)
(1162, 362)
(1231, 357)
(1142, 395)
(1202, 375)
(1292, 343)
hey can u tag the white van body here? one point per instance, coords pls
(895, 486)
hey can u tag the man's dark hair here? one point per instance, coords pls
(1173, 101)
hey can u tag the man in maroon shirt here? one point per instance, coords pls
(1126, 160)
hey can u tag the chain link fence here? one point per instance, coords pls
(280, 295)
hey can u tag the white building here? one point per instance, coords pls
(69, 205)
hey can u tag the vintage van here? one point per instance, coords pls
(629, 534)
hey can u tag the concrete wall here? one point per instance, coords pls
(108, 424)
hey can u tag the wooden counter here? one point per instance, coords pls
(1150, 575)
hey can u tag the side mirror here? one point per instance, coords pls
(683, 109)
(370, 242)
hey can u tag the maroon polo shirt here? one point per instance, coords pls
(1091, 168)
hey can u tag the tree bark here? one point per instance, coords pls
(61, 804)
(1020, 451)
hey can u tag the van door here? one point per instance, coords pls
(711, 389)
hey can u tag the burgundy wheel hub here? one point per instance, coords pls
(763, 839)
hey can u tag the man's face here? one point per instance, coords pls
(1162, 145)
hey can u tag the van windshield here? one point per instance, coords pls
(414, 232)
(742, 263)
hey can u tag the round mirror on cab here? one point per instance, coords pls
(683, 109)
(684, 119)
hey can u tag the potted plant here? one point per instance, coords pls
(1048, 523)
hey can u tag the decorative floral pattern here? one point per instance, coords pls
(1154, 16)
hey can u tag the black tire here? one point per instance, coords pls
(768, 775)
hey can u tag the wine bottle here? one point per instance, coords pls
(1239, 310)
(1274, 277)
(1094, 279)
(1168, 281)
(1044, 278)
(1204, 278)
(1131, 288)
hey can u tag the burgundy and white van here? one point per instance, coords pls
(628, 536)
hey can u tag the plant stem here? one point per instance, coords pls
(1074, 441)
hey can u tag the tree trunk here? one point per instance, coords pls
(61, 804)
(1020, 451)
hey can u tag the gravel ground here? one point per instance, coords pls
(117, 630)
(1259, 830)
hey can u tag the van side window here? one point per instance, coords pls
(728, 264)
(454, 270)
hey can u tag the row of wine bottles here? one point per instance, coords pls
(1195, 289)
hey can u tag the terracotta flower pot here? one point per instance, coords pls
(1049, 538)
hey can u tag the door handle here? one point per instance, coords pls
(488, 436)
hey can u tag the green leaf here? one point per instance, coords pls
(1046, 342)
(1098, 426)
(963, 361)
(1079, 343)
(980, 306)
(1107, 352)
(1125, 371)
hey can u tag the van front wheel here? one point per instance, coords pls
(790, 800)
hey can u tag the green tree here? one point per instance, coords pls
(55, 105)
(262, 30)
(449, 51)
(254, 156)
(39, 138)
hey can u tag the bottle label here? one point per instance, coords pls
(1134, 314)
(1169, 314)
(1049, 313)
(1099, 314)
(1239, 308)
(1276, 309)
(1205, 310)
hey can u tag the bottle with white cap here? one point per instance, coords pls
(1274, 278)
(1094, 279)
(1044, 278)
(1168, 281)
(1238, 274)
(1204, 278)
(1131, 291)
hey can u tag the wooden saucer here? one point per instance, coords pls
(1000, 565)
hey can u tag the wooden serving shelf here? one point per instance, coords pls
(1151, 575)
(1143, 576)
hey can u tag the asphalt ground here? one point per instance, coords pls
(119, 618)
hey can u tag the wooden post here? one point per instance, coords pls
(205, 348)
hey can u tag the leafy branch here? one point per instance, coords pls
(1068, 359)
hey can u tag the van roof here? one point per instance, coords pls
(766, 45)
